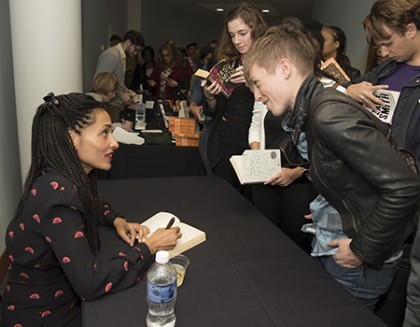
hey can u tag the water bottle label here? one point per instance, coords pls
(161, 294)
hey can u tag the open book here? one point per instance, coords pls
(385, 112)
(256, 166)
(332, 67)
(191, 236)
(220, 73)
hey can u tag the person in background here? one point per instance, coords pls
(196, 104)
(114, 40)
(191, 55)
(232, 116)
(144, 71)
(335, 43)
(363, 213)
(197, 93)
(412, 310)
(113, 60)
(170, 72)
(213, 44)
(393, 26)
(375, 57)
(53, 238)
(105, 88)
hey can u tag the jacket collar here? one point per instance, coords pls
(295, 118)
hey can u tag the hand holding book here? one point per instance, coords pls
(221, 74)
(238, 77)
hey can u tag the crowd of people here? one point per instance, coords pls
(344, 194)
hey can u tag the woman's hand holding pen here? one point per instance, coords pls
(163, 239)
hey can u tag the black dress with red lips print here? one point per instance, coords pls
(52, 267)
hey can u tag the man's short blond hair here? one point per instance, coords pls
(281, 41)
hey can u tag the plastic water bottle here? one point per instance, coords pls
(161, 292)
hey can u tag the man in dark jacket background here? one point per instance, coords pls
(393, 26)
(367, 191)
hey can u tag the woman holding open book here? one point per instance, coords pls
(232, 115)
(53, 237)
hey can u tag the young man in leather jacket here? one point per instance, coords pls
(367, 191)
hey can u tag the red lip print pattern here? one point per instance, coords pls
(36, 218)
(29, 250)
(45, 313)
(11, 258)
(11, 307)
(34, 296)
(106, 212)
(23, 275)
(66, 260)
(78, 234)
(58, 293)
(54, 185)
(48, 239)
(108, 287)
(121, 254)
(126, 266)
(11, 233)
(57, 220)
(22, 226)
(33, 191)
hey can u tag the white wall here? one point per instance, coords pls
(348, 15)
(10, 177)
(47, 57)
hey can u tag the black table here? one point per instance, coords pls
(138, 161)
(247, 273)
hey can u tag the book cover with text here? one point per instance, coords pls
(220, 73)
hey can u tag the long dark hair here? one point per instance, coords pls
(339, 36)
(251, 15)
(52, 147)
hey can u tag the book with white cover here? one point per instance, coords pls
(386, 111)
(191, 236)
(122, 136)
(256, 166)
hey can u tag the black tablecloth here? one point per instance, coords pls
(138, 161)
(247, 273)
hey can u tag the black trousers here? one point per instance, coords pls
(232, 141)
(286, 207)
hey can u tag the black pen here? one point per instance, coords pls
(171, 222)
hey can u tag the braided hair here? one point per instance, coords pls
(52, 147)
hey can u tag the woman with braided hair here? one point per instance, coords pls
(53, 238)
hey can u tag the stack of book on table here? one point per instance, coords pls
(183, 130)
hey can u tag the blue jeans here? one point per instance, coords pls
(365, 283)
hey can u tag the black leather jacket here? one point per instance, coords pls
(354, 167)
(406, 120)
